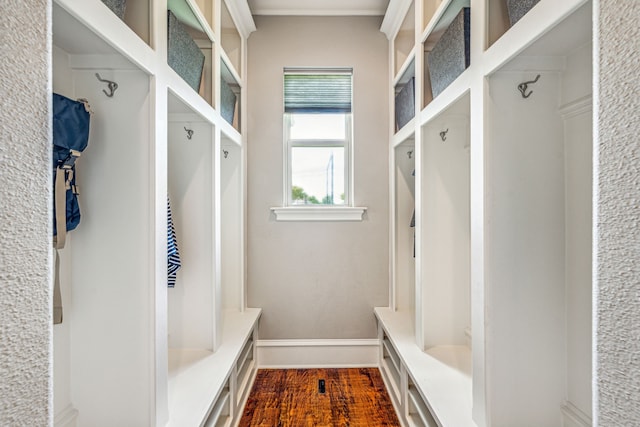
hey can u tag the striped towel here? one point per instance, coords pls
(173, 256)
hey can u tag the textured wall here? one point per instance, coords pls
(317, 279)
(618, 214)
(25, 328)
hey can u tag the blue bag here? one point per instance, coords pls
(70, 138)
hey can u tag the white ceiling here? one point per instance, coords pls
(319, 7)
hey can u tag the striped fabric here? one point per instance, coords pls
(173, 256)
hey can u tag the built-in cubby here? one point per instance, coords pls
(429, 8)
(213, 389)
(539, 163)
(230, 39)
(430, 388)
(190, 182)
(391, 366)
(405, 96)
(502, 276)
(158, 355)
(220, 415)
(418, 413)
(231, 235)
(207, 9)
(500, 20)
(245, 370)
(136, 16)
(404, 40)
(404, 226)
(441, 18)
(230, 95)
(191, 24)
(445, 309)
(106, 267)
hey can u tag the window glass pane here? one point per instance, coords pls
(317, 175)
(317, 126)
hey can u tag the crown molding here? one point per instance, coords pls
(316, 8)
(241, 15)
(393, 18)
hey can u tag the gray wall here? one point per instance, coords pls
(25, 316)
(317, 280)
(617, 209)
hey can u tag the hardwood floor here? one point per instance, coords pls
(290, 398)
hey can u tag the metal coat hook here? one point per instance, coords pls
(189, 132)
(113, 86)
(409, 153)
(226, 153)
(522, 87)
(443, 134)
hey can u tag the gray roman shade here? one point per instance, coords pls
(317, 91)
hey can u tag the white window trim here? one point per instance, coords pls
(315, 213)
(327, 213)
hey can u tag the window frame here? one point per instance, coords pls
(319, 213)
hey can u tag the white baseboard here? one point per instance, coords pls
(68, 417)
(574, 417)
(323, 353)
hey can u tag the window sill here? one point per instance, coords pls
(304, 213)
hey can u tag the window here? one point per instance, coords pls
(317, 133)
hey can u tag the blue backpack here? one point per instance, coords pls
(70, 138)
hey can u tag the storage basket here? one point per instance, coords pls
(116, 6)
(450, 55)
(227, 102)
(184, 55)
(518, 8)
(405, 104)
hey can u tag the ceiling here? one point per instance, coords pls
(319, 7)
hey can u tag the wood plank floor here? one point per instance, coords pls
(290, 398)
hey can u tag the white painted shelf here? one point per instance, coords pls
(84, 27)
(197, 377)
(442, 374)
(529, 29)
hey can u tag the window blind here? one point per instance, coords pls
(317, 92)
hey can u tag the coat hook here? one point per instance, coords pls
(410, 153)
(110, 84)
(189, 132)
(443, 134)
(522, 87)
(226, 153)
